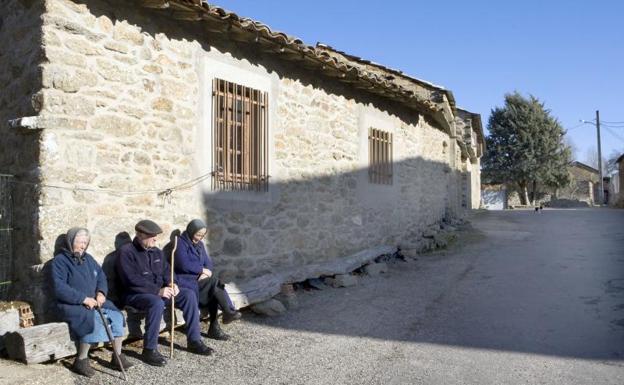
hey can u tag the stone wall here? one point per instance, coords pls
(322, 206)
(20, 57)
(125, 103)
(581, 186)
(123, 107)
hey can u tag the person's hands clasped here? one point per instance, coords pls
(90, 303)
(100, 298)
(206, 273)
(167, 292)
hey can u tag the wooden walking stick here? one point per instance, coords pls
(112, 341)
(175, 246)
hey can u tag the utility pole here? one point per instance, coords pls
(601, 194)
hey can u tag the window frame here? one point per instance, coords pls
(240, 140)
(380, 159)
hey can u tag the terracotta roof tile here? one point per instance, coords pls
(368, 75)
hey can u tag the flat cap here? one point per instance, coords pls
(148, 227)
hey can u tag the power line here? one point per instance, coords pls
(577, 126)
(614, 125)
(615, 134)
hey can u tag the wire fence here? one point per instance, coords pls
(6, 222)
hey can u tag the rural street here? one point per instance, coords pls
(523, 298)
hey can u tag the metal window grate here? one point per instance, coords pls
(379, 156)
(6, 251)
(240, 137)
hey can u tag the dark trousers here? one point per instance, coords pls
(212, 295)
(154, 306)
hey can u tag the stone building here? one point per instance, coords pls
(295, 155)
(584, 184)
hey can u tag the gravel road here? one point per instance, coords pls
(522, 298)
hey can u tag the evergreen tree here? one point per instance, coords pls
(526, 147)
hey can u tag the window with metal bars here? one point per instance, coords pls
(239, 137)
(379, 156)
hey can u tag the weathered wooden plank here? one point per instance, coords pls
(267, 286)
(40, 343)
(257, 290)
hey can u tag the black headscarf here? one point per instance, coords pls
(71, 235)
(194, 226)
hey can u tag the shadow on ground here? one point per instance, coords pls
(550, 283)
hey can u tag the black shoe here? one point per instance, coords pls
(83, 367)
(153, 357)
(231, 316)
(198, 347)
(215, 332)
(124, 362)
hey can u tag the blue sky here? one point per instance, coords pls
(569, 54)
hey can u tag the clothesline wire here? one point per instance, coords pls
(160, 191)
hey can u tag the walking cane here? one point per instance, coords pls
(175, 246)
(110, 338)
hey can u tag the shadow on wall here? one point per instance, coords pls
(20, 82)
(312, 219)
(301, 222)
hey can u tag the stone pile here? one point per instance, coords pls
(434, 237)
(287, 299)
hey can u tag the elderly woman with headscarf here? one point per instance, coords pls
(79, 286)
(194, 269)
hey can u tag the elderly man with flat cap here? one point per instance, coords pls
(144, 274)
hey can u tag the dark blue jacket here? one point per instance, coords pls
(140, 270)
(72, 283)
(189, 261)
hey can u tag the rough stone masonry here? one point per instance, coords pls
(121, 110)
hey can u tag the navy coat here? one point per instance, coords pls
(72, 283)
(189, 261)
(140, 270)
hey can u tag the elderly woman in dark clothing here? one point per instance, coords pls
(194, 269)
(79, 286)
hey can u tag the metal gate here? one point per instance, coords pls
(6, 221)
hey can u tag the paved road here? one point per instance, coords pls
(528, 299)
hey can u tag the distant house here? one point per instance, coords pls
(584, 185)
(294, 155)
(583, 189)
